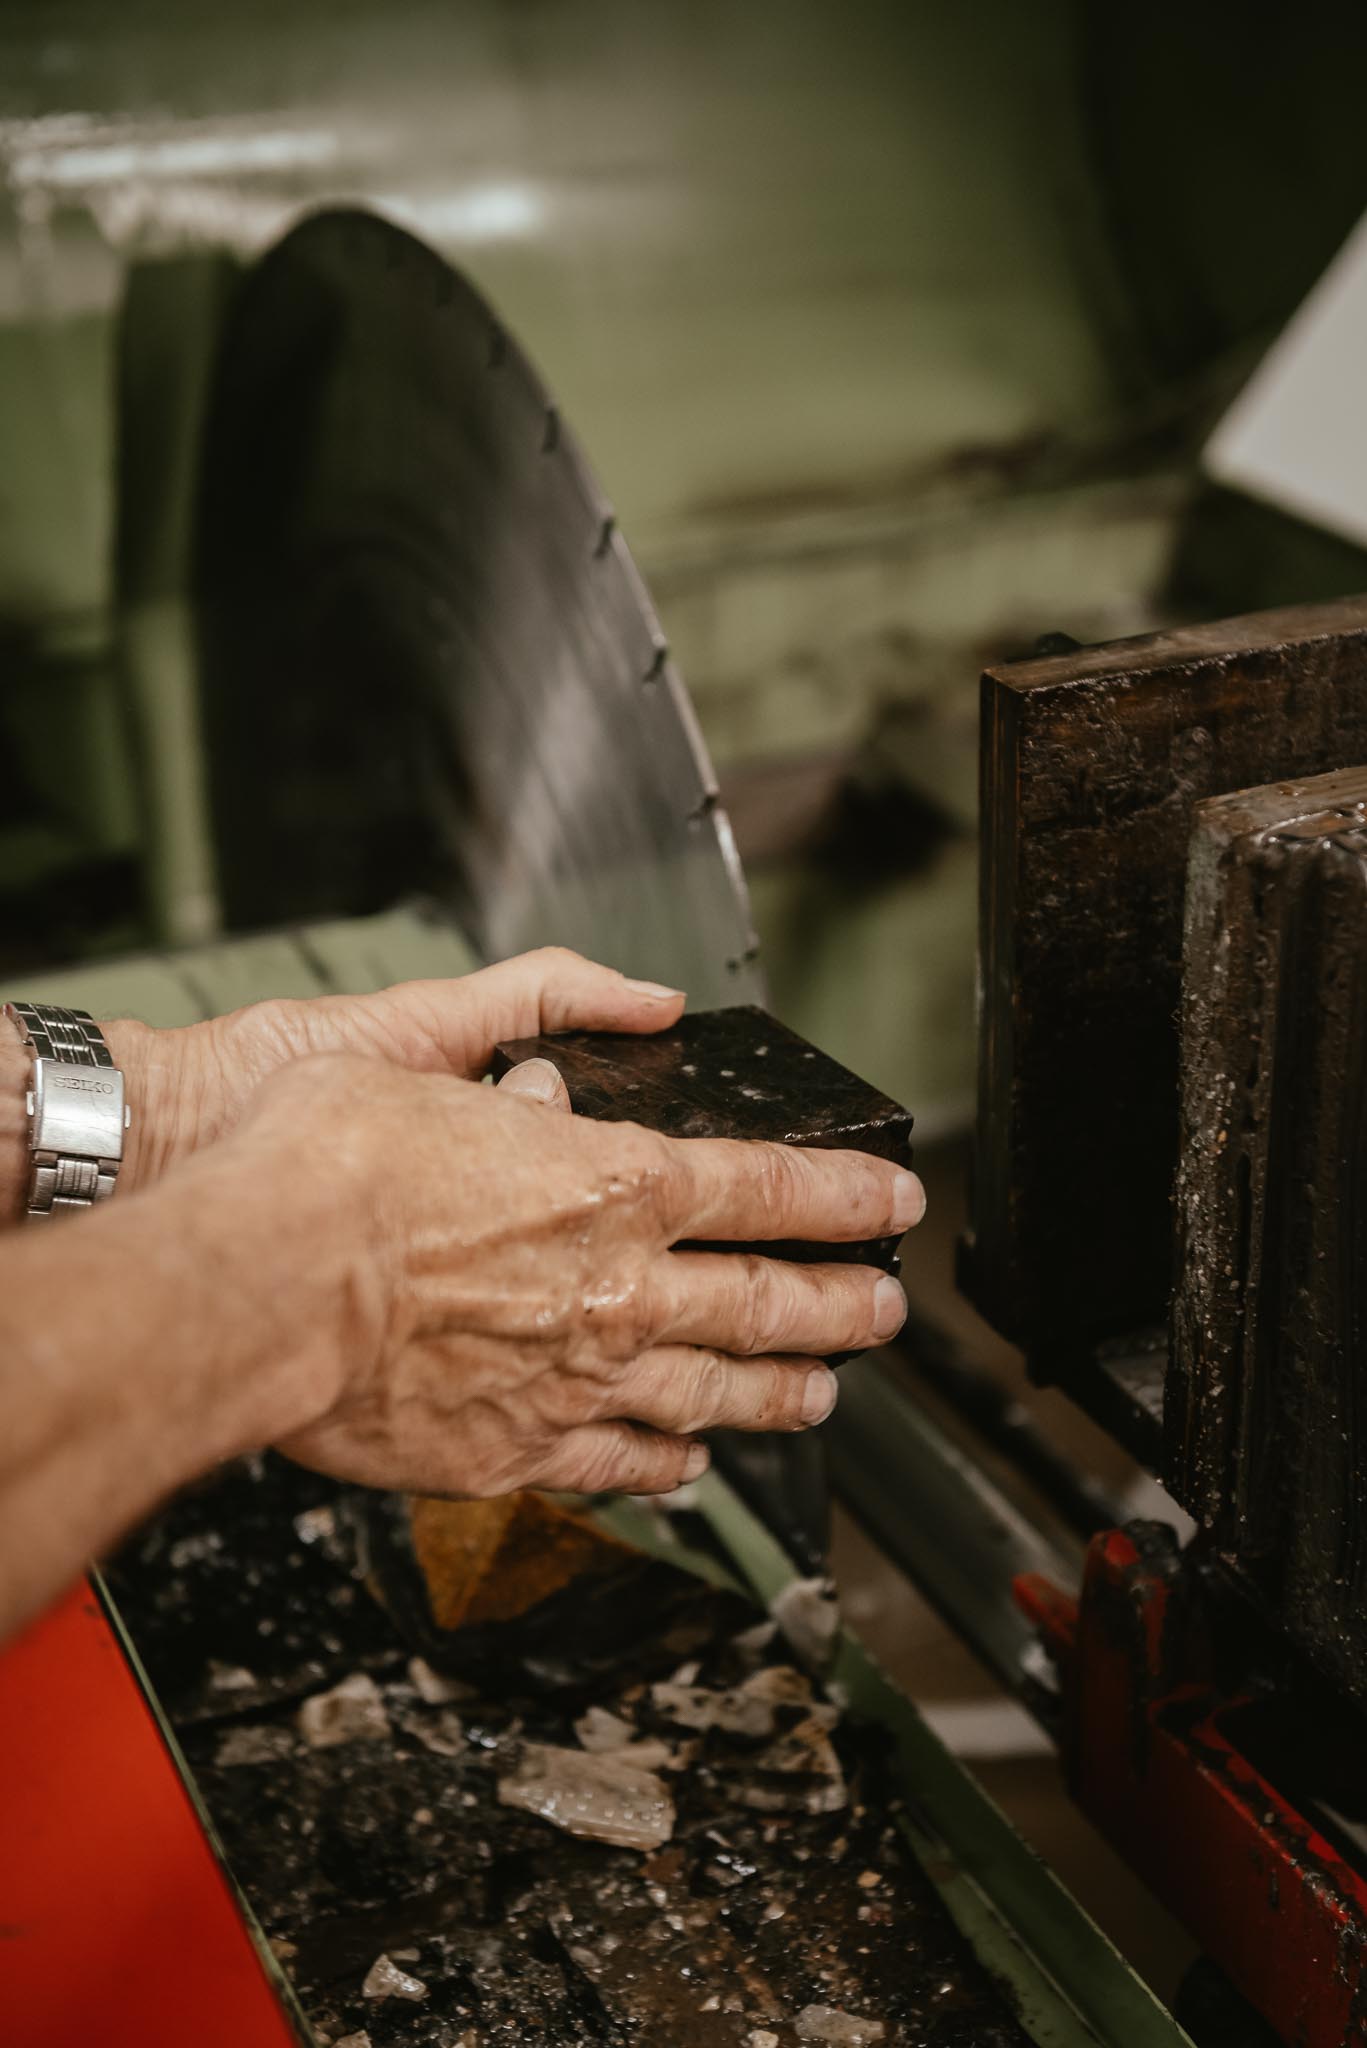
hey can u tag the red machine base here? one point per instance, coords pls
(1156, 1755)
(117, 1923)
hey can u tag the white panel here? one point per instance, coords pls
(1297, 433)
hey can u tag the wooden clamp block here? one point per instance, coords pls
(1092, 764)
(1266, 1398)
(733, 1073)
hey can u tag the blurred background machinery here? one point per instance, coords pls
(894, 336)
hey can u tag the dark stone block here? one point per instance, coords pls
(1266, 1420)
(1092, 764)
(733, 1073)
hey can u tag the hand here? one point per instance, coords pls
(190, 1086)
(510, 1312)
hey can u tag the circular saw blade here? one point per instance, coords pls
(428, 662)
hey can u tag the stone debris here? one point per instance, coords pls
(780, 1684)
(808, 1613)
(760, 2037)
(253, 1746)
(653, 1753)
(433, 1687)
(598, 1729)
(602, 1797)
(361, 2040)
(443, 1733)
(230, 1677)
(747, 1709)
(799, 1773)
(193, 1550)
(674, 1939)
(697, 1706)
(829, 2024)
(384, 1979)
(352, 1711)
(606, 1734)
(315, 1525)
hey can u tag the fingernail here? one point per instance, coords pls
(818, 1396)
(908, 1201)
(539, 1079)
(889, 1308)
(697, 1462)
(656, 990)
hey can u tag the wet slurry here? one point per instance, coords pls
(405, 1897)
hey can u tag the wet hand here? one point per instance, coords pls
(512, 1310)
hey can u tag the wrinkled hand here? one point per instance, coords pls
(510, 1311)
(190, 1086)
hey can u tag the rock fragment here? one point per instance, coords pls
(434, 1688)
(384, 1979)
(253, 1746)
(808, 1613)
(799, 1773)
(443, 1733)
(599, 1729)
(827, 2023)
(736, 1712)
(352, 1711)
(230, 1677)
(602, 1797)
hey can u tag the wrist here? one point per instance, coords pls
(153, 1066)
(152, 1063)
(287, 1234)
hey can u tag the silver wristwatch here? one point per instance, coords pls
(77, 1116)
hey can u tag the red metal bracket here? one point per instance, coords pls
(1152, 1758)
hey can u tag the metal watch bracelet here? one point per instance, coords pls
(76, 1109)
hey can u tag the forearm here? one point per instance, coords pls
(143, 1343)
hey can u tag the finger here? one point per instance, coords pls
(549, 990)
(726, 1188)
(683, 1388)
(747, 1305)
(618, 1457)
(538, 1081)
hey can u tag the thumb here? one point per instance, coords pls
(538, 1081)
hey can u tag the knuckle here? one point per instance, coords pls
(555, 959)
(766, 1294)
(701, 1401)
(658, 1464)
(859, 1312)
(608, 1466)
(779, 1177)
(617, 1315)
(786, 1387)
(642, 1171)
